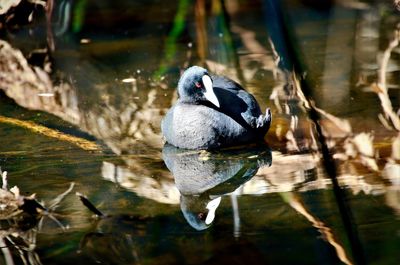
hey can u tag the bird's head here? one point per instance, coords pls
(196, 86)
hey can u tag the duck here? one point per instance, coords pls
(213, 112)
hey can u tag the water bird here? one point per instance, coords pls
(213, 112)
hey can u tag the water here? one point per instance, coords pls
(113, 75)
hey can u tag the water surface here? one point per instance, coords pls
(112, 69)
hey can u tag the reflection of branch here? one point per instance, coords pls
(396, 4)
(296, 204)
(381, 89)
(24, 246)
(6, 252)
(80, 142)
(56, 201)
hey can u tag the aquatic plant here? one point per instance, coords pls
(21, 218)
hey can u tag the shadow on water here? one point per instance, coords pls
(85, 85)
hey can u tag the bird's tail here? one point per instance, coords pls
(264, 121)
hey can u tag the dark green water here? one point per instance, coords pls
(114, 69)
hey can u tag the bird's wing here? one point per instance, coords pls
(226, 83)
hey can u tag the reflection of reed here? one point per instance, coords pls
(25, 84)
(201, 34)
(381, 89)
(296, 204)
(107, 120)
(214, 39)
(306, 87)
(171, 41)
(256, 52)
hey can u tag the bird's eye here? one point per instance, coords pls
(198, 85)
(202, 216)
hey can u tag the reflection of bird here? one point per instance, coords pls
(199, 211)
(202, 180)
(213, 112)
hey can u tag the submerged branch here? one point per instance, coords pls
(80, 142)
